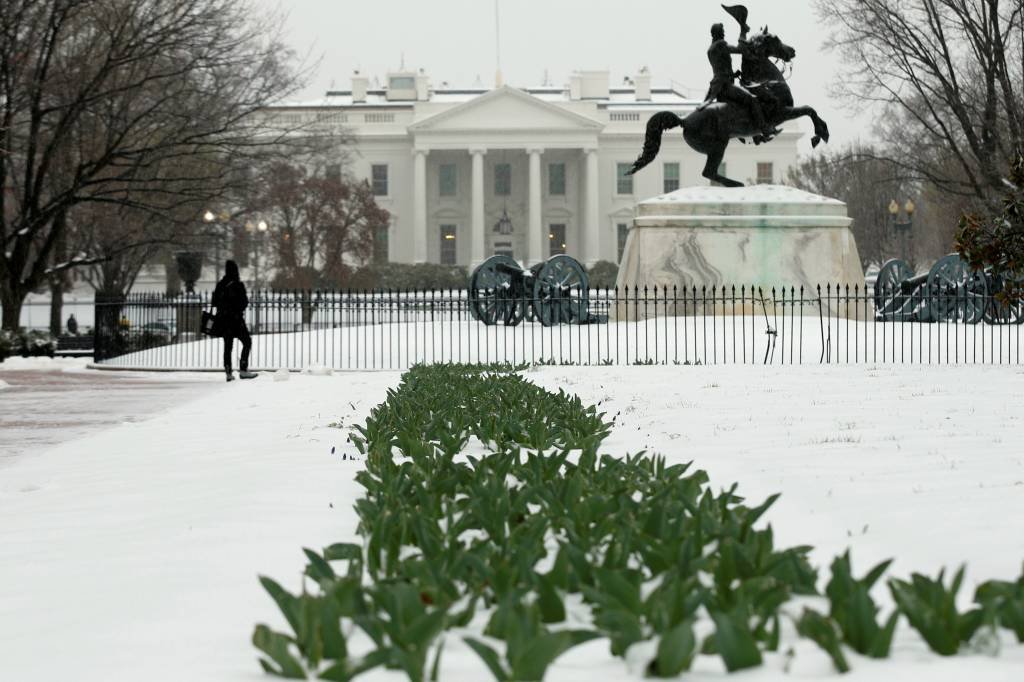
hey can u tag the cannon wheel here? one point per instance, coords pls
(492, 297)
(1003, 311)
(887, 285)
(956, 293)
(560, 292)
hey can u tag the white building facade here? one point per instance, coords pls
(467, 173)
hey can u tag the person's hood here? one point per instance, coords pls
(231, 271)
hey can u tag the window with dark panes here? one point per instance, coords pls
(624, 181)
(556, 237)
(671, 177)
(556, 179)
(448, 253)
(380, 245)
(765, 173)
(448, 178)
(622, 230)
(379, 174)
(503, 179)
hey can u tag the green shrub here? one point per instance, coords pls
(853, 609)
(648, 547)
(408, 276)
(27, 344)
(930, 607)
(602, 274)
(1003, 602)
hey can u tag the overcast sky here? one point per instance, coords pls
(454, 41)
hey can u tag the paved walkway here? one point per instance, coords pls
(41, 408)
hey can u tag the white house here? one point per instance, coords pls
(451, 164)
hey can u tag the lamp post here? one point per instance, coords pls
(903, 228)
(210, 218)
(257, 230)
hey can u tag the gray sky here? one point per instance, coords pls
(454, 41)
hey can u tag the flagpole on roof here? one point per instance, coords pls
(498, 81)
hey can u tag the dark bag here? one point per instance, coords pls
(210, 324)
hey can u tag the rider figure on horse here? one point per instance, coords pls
(723, 85)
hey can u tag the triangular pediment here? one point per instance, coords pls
(506, 108)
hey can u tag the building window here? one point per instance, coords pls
(556, 237)
(765, 173)
(380, 245)
(448, 245)
(624, 181)
(333, 172)
(671, 177)
(504, 249)
(622, 230)
(448, 179)
(380, 180)
(556, 179)
(503, 180)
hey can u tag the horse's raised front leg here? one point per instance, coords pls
(820, 127)
(712, 165)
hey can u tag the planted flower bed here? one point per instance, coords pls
(487, 502)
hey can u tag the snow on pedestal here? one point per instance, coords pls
(762, 236)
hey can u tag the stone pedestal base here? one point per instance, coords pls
(758, 237)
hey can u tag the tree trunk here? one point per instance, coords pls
(11, 302)
(56, 307)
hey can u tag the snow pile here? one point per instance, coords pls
(4, 384)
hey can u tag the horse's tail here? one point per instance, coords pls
(659, 123)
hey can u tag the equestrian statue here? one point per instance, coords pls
(751, 108)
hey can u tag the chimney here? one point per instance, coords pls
(593, 84)
(359, 87)
(422, 86)
(575, 86)
(643, 85)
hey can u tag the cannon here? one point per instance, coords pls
(951, 291)
(553, 292)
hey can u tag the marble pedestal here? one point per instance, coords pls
(762, 236)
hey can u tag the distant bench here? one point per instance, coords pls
(68, 346)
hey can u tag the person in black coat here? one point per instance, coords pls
(230, 300)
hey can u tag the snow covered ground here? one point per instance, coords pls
(132, 554)
(48, 401)
(740, 339)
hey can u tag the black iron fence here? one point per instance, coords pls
(695, 325)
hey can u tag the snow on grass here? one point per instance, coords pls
(740, 339)
(137, 549)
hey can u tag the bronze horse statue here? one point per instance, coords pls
(709, 129)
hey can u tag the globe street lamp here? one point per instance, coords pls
(903, 228)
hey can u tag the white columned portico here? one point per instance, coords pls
(477, 240)
(419, 226)
(535, 235)
(591, 227)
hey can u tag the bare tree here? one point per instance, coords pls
(147, 104)
(947, 76)
(868, 185)
(323, 223)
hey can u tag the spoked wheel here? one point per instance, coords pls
(887, 284)
(956, 293)
(492, 292)
(560, 292)
(1000, 310)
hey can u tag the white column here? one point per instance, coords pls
(591, 250)
(419, 193)
(477, 235)
(535, 234)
